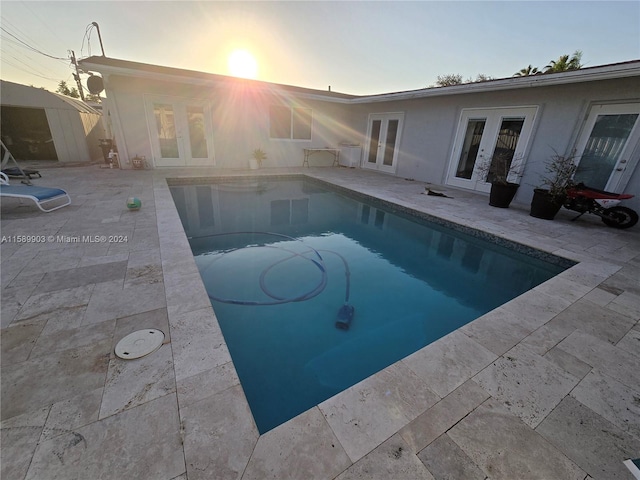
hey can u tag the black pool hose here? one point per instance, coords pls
(346, 311)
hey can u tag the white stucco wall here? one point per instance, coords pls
(240, 123)
(430, 126)
(239, 118)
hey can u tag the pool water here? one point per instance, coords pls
(281, 258)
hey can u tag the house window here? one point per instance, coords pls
(290, 122)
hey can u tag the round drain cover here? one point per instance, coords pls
(140, 343)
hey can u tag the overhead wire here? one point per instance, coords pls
(33, 71)
(87, 37)
(10, 46)
(19, 32)
(26, 45)
(45, 24)
(14, 37)
(27, 64)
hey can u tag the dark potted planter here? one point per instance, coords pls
(503, 172)
(502, 194)
(544, 205)
(547, 201)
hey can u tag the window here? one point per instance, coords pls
(301, 128)
(290, 122)
(289, 212)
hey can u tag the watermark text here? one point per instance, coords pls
(65, 239)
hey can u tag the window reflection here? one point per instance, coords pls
(166, 126)
(197, 138)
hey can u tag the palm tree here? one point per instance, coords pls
(527, 71)
(565, 63)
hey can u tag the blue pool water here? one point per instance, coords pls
(281, 258)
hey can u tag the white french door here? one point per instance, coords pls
(383, 141)
(604, 150)
(180, 131)
(483, 133)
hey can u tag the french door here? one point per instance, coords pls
(604, 150)
(180, 131)
(383, 141)
(483, 133)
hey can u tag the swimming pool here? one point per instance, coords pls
(315, 290)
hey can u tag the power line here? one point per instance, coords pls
(87, 37)
(20, 33)
(9, 54)
(26, 62)
(30, 62)
(30, 47)
(9, 42)
(26, 5)
(18, 67)
(14, 38)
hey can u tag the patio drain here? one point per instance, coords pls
(139, 344)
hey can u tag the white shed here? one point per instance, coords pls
(40, 125)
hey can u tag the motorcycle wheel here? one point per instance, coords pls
(620, 217)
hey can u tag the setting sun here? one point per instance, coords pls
(242, 64)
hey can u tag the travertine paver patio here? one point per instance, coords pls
(546, 386)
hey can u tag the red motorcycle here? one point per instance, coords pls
(583, 199)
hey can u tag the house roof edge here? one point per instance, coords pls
(589, 74)
(112, 66)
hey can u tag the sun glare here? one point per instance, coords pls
(242, 64)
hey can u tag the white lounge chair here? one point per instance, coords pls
(40, 195)
(15, 171)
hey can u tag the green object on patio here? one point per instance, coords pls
(134, 203)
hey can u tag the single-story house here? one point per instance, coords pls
(179, 118)
(40, 125)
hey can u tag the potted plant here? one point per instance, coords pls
(257, 157)
(503, 172)
(549, 197)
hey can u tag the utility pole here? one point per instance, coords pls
(76, 75)
(95, 24)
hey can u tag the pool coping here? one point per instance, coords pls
(324, 428)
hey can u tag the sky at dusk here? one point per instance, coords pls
(354, 47)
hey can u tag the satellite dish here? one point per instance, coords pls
(95, 84)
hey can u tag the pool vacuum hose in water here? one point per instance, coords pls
(346, 311)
